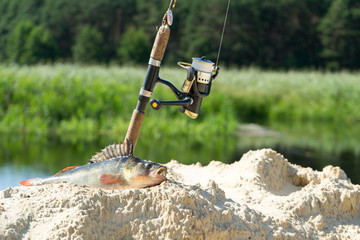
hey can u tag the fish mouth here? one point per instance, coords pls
(161, 172)
(156, 177)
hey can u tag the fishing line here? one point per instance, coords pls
(222, 35)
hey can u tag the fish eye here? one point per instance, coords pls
(148, 166)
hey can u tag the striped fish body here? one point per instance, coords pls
(109, 170)
(86, 174)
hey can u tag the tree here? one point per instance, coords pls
(340, 34)
(12, 13)
(39, 46)
(89, 45)
(30, 44)
(200, 29)
(134, 47)
(268, 34)
(16, 42)
(64, 18)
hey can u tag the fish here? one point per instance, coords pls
(115, 167)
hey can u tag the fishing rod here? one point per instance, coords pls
(197, 85)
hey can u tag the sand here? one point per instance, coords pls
(262, 196)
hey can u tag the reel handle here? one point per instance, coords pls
(157, 104)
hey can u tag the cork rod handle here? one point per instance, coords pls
(160, 43)
(135, 127)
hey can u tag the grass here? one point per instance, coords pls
(90, 100)
(86, 101)
(294, 96)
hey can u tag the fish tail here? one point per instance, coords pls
(30, 182)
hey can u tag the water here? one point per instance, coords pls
(11, 174)
(309, 145)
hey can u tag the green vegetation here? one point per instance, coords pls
(293, 96)
(30, 44)
(91, 100)
(134, 47)
(89, 46)
(87, 101)
(281, 34)
(340, 29)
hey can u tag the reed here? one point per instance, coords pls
(86, 101)
(89, 100)
(294, 96)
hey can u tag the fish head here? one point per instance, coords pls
(141, 174)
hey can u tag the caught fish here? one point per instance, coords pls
(113, 167)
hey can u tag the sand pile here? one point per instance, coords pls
(261, 196)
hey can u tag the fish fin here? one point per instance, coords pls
(66, 169)
(28, 182)
(113, 151)
(109, 179)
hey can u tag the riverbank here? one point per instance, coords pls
(260, 196)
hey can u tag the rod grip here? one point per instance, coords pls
(135, 127)
(160, 43)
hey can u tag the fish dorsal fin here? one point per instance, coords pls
(113, 151)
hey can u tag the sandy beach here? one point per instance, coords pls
(262, 196)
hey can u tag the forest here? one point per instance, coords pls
(271, 34)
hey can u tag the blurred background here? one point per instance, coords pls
(70, 73)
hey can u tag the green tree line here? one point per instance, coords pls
(278, 34)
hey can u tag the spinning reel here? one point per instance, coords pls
(196, 86)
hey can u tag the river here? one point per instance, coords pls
(307, 144)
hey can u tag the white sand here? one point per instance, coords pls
(262, 196)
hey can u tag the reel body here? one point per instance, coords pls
(196, 86)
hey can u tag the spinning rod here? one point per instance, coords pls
(197, 85)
